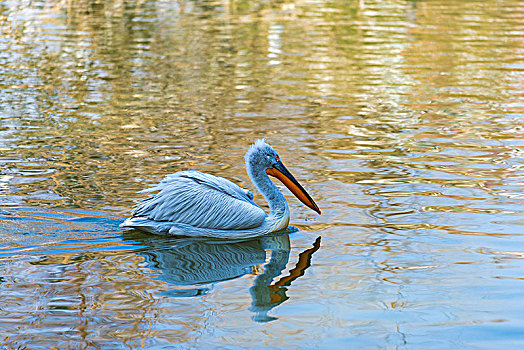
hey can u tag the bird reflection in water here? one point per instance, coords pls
(193, 265)
(266, 295)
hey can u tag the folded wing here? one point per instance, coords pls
(201, 200)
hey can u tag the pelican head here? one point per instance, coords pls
(262, 158)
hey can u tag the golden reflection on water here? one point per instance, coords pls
(148, 294)
(404, 119)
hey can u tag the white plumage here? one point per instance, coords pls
(192, 203)
(177, 202)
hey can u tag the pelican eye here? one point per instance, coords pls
(277, 158)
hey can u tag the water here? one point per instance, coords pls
(403, 119)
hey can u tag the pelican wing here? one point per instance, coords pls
(201, 200)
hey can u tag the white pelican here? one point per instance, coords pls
(191, 203)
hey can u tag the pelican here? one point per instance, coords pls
(191, 203)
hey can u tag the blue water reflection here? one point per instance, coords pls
(193, 265)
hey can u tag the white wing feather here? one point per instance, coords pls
(201, 200)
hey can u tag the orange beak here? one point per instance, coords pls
(281, 173)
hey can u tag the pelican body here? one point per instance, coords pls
(192, 203)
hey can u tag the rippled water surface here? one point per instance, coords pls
(403, 119)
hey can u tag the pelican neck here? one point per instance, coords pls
(277, 202)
